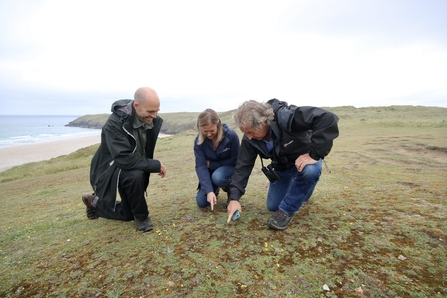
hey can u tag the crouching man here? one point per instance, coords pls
(295, 139)
(124, 161)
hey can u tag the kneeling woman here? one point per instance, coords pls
(215, 148)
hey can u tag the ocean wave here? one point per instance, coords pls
(22, 137)
(44, 137)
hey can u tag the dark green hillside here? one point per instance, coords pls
(392, 115)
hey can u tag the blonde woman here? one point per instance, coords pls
(216, 148)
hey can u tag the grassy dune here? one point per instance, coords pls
(376, 225)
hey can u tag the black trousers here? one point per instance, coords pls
(132, 186)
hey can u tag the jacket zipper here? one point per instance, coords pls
(119, 172)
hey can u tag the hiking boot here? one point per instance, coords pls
(279, 220)
(90, 209)
(144, 225)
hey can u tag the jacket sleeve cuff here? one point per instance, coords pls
(234, 194)
(314, 156)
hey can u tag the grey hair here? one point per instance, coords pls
(253, 114)
(207, 117)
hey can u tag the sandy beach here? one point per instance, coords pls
(19, 155)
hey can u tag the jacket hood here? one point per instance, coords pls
(123, 108)
(225, 127)
(284, 114)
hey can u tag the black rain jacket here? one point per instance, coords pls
(295, 131)
(116, 151)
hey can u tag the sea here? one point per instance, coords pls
(25, 129)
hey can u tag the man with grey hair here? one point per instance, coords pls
(124, 161)
(295, 139)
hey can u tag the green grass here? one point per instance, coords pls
(376, 224)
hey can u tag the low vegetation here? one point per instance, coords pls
(376, 225)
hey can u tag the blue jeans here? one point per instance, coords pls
(294, 188)
(219, 178)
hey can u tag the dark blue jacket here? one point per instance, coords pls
(225, 155)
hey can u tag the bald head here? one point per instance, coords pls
(145, 93)
(147, 104)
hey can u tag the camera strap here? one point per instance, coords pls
(262, 164)
(273, 159)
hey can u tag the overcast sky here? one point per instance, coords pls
(77, 57)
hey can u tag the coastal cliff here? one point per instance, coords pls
(89, 121)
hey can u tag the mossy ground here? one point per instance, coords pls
(375, 226)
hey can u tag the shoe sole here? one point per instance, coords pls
(272, 226)
(147, 230)
(89, 211)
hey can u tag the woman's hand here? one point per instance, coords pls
(212, 199)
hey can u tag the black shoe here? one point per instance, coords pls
(144, 225)
(279, 220)
(90, 209)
